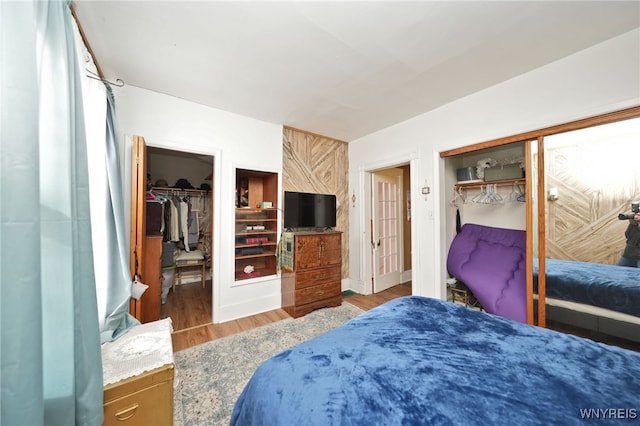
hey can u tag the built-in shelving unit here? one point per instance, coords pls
(256, 224)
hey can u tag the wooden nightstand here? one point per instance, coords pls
(138, 370)
(146, 399)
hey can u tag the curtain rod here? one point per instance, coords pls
(99, 75)
(93, 75)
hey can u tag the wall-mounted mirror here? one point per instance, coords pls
(591, 176)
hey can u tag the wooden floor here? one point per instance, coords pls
(190, 312)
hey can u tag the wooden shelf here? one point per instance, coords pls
(256, 232)
(257, 273)
(270, 243)
(251, 256)
(478, 184)
(254, 210)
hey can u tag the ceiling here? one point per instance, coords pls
(339, 69)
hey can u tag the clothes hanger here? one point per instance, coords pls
(456, 196)
(480, 197)
(517, 193)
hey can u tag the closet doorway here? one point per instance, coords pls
(177, 205)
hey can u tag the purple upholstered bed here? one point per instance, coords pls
(491, 262)
(421, 361)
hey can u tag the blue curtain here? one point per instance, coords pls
(117, 319)
(50, 342)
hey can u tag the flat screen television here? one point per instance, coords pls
(306, 210)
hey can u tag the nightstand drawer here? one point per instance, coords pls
(152, 405)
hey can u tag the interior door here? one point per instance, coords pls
(386, 239)
(138, 205)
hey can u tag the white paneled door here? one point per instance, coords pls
(386, 234)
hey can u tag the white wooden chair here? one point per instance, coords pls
(190, 259)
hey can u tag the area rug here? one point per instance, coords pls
(209, 377)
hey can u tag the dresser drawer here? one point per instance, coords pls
(318, 292)
(317, 276)
(143, 400)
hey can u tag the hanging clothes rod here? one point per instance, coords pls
(171, 188)
(178, 191)
(479, 184)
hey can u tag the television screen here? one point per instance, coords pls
(306, 210)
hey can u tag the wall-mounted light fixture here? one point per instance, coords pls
(553, 194)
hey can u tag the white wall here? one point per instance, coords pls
(598, 80)
(235, 142)
(601, 79)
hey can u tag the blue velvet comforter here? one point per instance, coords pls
(419, 361)
(607, 286)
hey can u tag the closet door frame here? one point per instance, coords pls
(535, 182)
(139, 167)
(138, 215)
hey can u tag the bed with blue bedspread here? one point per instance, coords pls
(593, 296)
(616, 288)
(417, 361)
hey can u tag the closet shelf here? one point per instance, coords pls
(478, 184)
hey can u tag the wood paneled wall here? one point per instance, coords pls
(595, 181)
(319, 164)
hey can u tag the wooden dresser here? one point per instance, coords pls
(315, 280)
